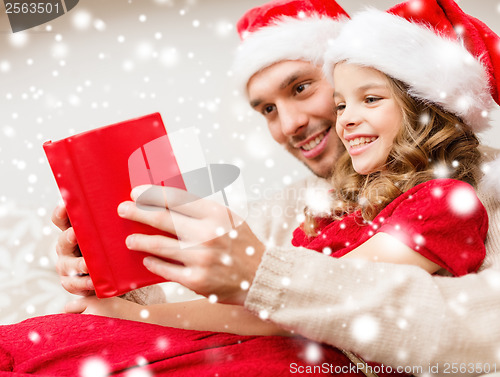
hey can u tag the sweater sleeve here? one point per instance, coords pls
(150, 295)
(386, 312)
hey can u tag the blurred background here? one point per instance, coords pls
(110, 60)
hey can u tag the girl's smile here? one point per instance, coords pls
(359, 143)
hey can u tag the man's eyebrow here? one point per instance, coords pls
(287, 81)
(291, 78)
(255, 103)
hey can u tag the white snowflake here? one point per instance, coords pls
(223, 28)
(313, 353)
(244, 285)
(365, 328)
(81, 19)
(419, 239)
(416, 5)
(464, 103)
(144, 50)
(402, 323)
(169, 57)
(269, 163)
(286, 281)
(34, 336)
(424, 118)
(493, 278)
(463, 201)
(4, 66)
(59, 50)
(94, 367)
(100, 25)
(441, 171)
(161, 343)
(19, 39)
(264, 314)
(318, 200)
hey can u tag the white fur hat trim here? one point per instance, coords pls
(289, 38)
(437, 69)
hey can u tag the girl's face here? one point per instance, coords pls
(368, 116)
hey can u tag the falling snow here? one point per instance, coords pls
(34, 336)
(263, 314)
(244, 285)
(365, 328)
(94, 367)
(318, 200)
(463, 201)
(313, 353)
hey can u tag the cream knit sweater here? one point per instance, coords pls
(393, 314)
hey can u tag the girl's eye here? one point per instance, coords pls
(339, 107)
(372, 99)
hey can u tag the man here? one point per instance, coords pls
(382, 312)
(303, 120)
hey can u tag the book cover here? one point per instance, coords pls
(95, 171)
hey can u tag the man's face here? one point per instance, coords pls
(297, 102)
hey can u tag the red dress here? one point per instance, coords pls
(441, 219)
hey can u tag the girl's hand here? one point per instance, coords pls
(107, 307)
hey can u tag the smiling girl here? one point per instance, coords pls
(408, 99)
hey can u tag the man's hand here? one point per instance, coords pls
(223, 266)
(70, 265)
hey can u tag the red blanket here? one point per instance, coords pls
(91, 346)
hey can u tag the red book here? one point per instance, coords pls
(95, 171)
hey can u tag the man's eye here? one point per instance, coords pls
(268, 109)
(300, 88)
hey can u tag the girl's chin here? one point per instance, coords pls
(366, 165)
(362, 170)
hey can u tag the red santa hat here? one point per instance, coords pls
(285, 30)
(444, 55)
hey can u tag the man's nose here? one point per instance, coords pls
(293, 120)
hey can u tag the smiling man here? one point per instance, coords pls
(297, 104)
(278, 65)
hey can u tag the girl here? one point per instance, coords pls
(406, 124)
